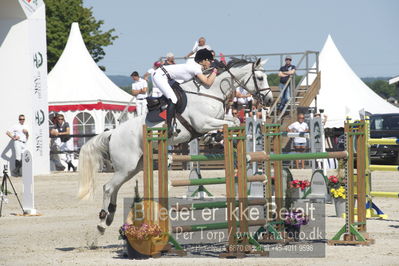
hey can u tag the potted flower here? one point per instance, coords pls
(336, 187)
(298, 188)
(140, 239)
(293, 220)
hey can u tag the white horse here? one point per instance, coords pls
(205, 112)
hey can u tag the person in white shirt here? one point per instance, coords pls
(199, 45)
(170, 59)
(299, 142)
(242, 97)
(165, 76)
(139, 89)
(156, 93)
(19, 134)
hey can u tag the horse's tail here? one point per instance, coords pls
(90, 161)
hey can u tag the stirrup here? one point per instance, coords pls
(175, 130)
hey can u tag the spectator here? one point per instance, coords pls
(155, 91)
(139, 89)
(240, 115)
(170, 59)
(234, 113)
(285, 73)
(64, 141)
(199, 45)
(242, 98)
(324, 119)
(299, 142)
(54, 151)
(19, 134)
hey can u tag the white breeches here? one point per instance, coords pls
(161, 82)
(242, 101)
(141, 107)
(20, 148)
(66, 146)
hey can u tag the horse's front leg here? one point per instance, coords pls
(214, 123)
(110, 191)
(114, 195)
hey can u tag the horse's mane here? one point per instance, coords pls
(234, 62)
(237, 62)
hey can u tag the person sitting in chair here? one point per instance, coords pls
(164, 76)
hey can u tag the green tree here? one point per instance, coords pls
(274, 80)
(382, 88)
(59, 17)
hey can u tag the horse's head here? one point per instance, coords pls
(252, 77)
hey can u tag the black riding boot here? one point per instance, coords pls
(170, 114)
(70, 165)
(18, 168)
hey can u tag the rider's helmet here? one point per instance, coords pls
(203, 54)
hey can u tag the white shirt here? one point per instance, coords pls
(183, 72)
(155, 91)
(17, 130)
(196, 47)
(299, 127)
(138, 85)
(242, 100)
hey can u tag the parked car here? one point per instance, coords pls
(384, 126)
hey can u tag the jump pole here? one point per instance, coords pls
(158, 135)
(272, 136)
(354, 233)
(236, 247)
(198, 158)
(216, 204)
(372, 209)
(231, 135)
(212, 181)
(263, 156)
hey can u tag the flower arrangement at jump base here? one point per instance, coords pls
(143, 232)
(297, 188)
(302, 184)
(293, 220)
(336, 187)
(143, 239)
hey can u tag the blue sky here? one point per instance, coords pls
(366, 32)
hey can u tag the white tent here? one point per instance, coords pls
(77, 87)
(342, 92)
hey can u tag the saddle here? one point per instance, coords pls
(157, 105)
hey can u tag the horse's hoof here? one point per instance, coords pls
(110, 219)
(101, 229)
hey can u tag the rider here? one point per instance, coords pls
(165, 76)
